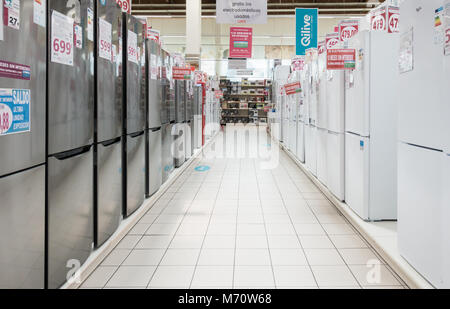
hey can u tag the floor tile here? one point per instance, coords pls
(116, 257)
(128, 242)
(347, 241)
(131, 276)
(252, 257)
(359, 256)
(316, 242)
(180, 257)
(334, 276)
(216, 257)
(144, 257)
(251, 242)
(298, 276)
(253, 276)
(213, 276)
(323, 257)
(99, 277)
(338, 229)
(172, 277)
(219, 242)
(283, 241)
(162, 229)
(154, 242)
(309, 229)
(288, 257)
(186, 242)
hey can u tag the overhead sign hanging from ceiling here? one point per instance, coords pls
(241, 11)
(241, 42)
(305, 30)
(125, 5)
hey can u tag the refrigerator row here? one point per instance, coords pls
(89, 119)
(377, 135)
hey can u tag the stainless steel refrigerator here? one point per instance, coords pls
(133, 156)
(108, 120)
(70, 133)
(179, 129)
(189, 119)
(153, 131)
(167, 118)
(197, 115)
(22, 153)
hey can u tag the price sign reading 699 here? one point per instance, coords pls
(62, 39)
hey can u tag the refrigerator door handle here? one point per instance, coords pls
(111, 141)
(72, 153)
(134, 135)
(155, 129)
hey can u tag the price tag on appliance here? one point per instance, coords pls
(78, 36)
(378, 19)
(12, 12)
(14, 111)
(332, 40)
(62, 39)
(125, 5)
(90, 24)
(393, 19)
(132, 49)
(105, 39)
(39, 12)
(153, 66)
(347, 29)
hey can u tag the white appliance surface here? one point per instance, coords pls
(420, 195)
(357, 87)
(335, 101)
(357, 155)
(311, 149)
(322, 106)
(301, 141)
(421, 120)
(336, 164)
(322, 168)
(445, 220)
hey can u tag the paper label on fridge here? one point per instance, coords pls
(14, 111)
(39, 12)
(78, 36)
(406, 56)
(153, 66)
(90, 24)
(447, 29)
(62, 39)
(12, 12)
(105, 39)
(132, 48)
(439, 26)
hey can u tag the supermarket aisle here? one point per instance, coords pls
(227, 223)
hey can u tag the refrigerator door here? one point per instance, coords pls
(311, 148)
(179, 154)
(70, 213)
(198, 131)
(335, 101)
(188, 139)
(167, 151)
(336, 164)
(135, 77)
(301, 141)
(420, 234)
(421, 124)
(135, 169)
(155, 161)
(180, 101)
(165, 88)
(357, 104)
(445, 219)
(27, 149)
(322, 106)
(322, 155)
(22, 229)
(293, 125)
(70, 112)
(154, 84)
(357, 155)
(109, 189)
(109, 72)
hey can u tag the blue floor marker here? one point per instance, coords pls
(202, 168)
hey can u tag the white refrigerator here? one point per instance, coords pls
(311, 98)
(281, 76)
(422, 136)
(322, 119)
(371, 127)
(300, 153)
(292, 119)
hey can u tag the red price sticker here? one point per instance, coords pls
(393, 19)
(347, 29)
(5, 118)
(105, 40)
(62, 39)
(125, 5)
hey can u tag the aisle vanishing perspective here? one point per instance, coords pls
(229, 223)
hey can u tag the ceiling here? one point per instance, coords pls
(274, 7)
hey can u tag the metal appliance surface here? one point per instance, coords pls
(154, 176)
(180, 101)
(167, 153)
(108, 122)
(22, 171)
(135, 172)
(70, 137)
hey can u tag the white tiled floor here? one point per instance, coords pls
(240, 226)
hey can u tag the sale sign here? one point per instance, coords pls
(218, 94)
(62, 39)
(297, 63)
(341, 59)
(181, 73)
(292, 88)
(132, 48)
(15, 111)
(347, 29)
(153, 34)
(241, 42)
(199, 78)
(393, 19)
(378, 19)
(332, 40)
(125, 5)
(321, 47)
(105, 40)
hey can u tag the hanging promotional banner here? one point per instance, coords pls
(297, 63)
(347, 29)
(14, 111)
(378, 19)
(125, 5)
(393, 19)
(241, 11)
(218, 94)
(181, 73)
(332, 40)
(292, 88)
(305, 30)
(321, 47)
(153, 34)
(341, 59)
(198, 78)
(241, 42)
(62, 39)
